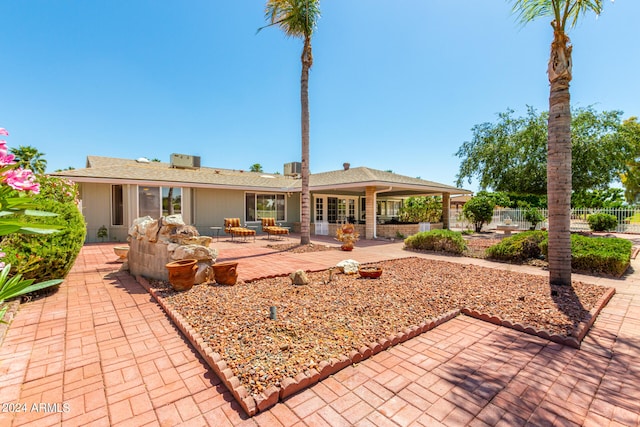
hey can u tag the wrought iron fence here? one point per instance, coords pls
(628, 219)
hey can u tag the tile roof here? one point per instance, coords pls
(114, 170)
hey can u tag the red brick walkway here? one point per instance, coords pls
(100, 351)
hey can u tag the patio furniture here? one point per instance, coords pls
(232, 227)
(217, 230)
(269, 226)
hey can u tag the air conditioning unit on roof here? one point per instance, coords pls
(292, 169)
(184, 161)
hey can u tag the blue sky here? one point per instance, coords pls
(396, 85)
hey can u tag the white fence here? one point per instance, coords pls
(578, 219)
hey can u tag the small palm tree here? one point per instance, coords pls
(297, 18)
(29, 157)
(564, 14)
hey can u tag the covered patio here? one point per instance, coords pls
(356, 195)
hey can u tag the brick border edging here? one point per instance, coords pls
(575, 340)
(252, 404)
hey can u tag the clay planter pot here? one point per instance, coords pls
(182, 273)
(121, 252)
(226, 273)
(347, 246)
(372, 272)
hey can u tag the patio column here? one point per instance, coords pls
(446, 205)
(370, 213)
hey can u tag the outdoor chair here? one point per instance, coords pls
(269, 226)
(232, 227)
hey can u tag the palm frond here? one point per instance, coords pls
(296, 18)
(529, 10)
(561, 11)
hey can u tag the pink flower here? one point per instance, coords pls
(21, 180)
(3, 147)
(3, 131)
(6, 159)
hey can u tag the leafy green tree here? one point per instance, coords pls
(298, 18)
(511, 154)
(28, 157)
(597, 199)
(421, 209)
(630, 130)
(479, 209)
(256, 167)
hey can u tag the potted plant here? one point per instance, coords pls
(102, 233)
(348, 235)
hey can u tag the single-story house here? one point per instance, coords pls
(114, 192)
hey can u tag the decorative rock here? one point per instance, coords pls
(348, 266)
(299, 277)
(173, 220)
(151, 231)
(204, 273)
(139, 225)
(201, 253)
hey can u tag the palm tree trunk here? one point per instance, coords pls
(305, 216)
(559, 161)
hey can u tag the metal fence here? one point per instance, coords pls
(628, 219)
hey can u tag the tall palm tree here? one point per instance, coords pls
(564, 14)
(298, 18)
(29, 157)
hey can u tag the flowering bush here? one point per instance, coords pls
(16, 187)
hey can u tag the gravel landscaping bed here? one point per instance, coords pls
(328, 319)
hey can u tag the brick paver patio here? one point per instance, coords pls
(101, 351)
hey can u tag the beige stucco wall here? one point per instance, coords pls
(96, 208)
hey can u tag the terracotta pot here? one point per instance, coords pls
(371, 272)
(182, 274)
(226, 273)
(347, 246)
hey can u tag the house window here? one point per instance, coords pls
(393, 207)
(171, 201)
(149, 201)
(117, 205)
(332, 209)
(260, 206)
(319, 210)
(159, 201)
(341, 210)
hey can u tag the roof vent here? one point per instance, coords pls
(346, 166)
(184, 161)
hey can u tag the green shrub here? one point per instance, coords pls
(437, 240)
(600, 254)
(51, 256)
(534, 216)
(608, 255)
(602, 222)
(519, 247)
